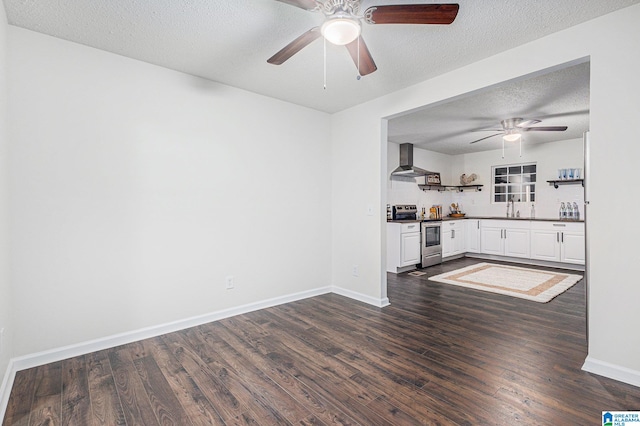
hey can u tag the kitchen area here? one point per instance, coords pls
(498, 174)
(443, 207)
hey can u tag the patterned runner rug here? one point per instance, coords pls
(532, 284)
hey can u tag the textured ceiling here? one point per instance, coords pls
(229, 41)
(558, 98)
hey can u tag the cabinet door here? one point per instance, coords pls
(447, 241)
(410, 249)
(572, 250)
(517, 242)
(545, 245)
(491, 241)
(472, 233)
(459, 243)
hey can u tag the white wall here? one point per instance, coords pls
(549, 157)
(615, 102)
(136, 190)
(5, 287)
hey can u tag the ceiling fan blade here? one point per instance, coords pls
(303, 4)
(295, 46)
(367, 66)
(487, 137)
(528, 123)
(412, 14)
(545, 129)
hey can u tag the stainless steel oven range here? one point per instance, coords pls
(431, 248)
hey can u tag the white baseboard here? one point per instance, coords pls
(612, 371)
(525, 261)
(380, 303)
(5, 388)
(40, 358)
(58, 354)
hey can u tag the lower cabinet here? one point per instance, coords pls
(403, 246)
(505, 238)
(558, 242)
(410, 249)
(561, 242)
(453, 237)
(472, 232)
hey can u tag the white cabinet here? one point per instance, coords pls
(403, 246)
(491, 239)
(558, 242)
(505, 238)
(410, 249)
(572, 249)
(453, 238)
(472, 232)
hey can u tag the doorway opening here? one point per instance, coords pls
(442, 134)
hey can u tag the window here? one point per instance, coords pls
(514, 182)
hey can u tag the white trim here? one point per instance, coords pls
(5, 389)
(612, 371)
(525, 261)
(380, 303)
(57, 354)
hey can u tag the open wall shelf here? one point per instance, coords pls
(457, 188)
(556, 183)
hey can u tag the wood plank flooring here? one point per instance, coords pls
(439, 355)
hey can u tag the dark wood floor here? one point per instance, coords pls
(439, 354)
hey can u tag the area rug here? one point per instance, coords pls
(525, 283)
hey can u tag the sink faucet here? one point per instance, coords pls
(512, 208)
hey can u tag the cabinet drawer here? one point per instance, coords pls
(410, 227)
(505, 224)
(558, 226)
(451, 224)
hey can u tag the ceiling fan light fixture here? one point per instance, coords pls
(340, 31)
(511, 137)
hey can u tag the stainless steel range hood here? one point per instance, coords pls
(407, 169)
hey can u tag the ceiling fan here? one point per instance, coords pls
(512, 129)
(343, 25)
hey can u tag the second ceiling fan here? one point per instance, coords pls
(343, 24)
(512, 128)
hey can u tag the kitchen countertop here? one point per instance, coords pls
(447, 218)
(537, 219)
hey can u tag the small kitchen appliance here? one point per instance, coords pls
(404, 212)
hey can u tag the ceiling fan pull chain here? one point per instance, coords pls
(502, 148)
(520, 146)
(324, 44)
(358, 76)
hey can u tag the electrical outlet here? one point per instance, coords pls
(230, 282)
(354, 270)
(369, 210)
